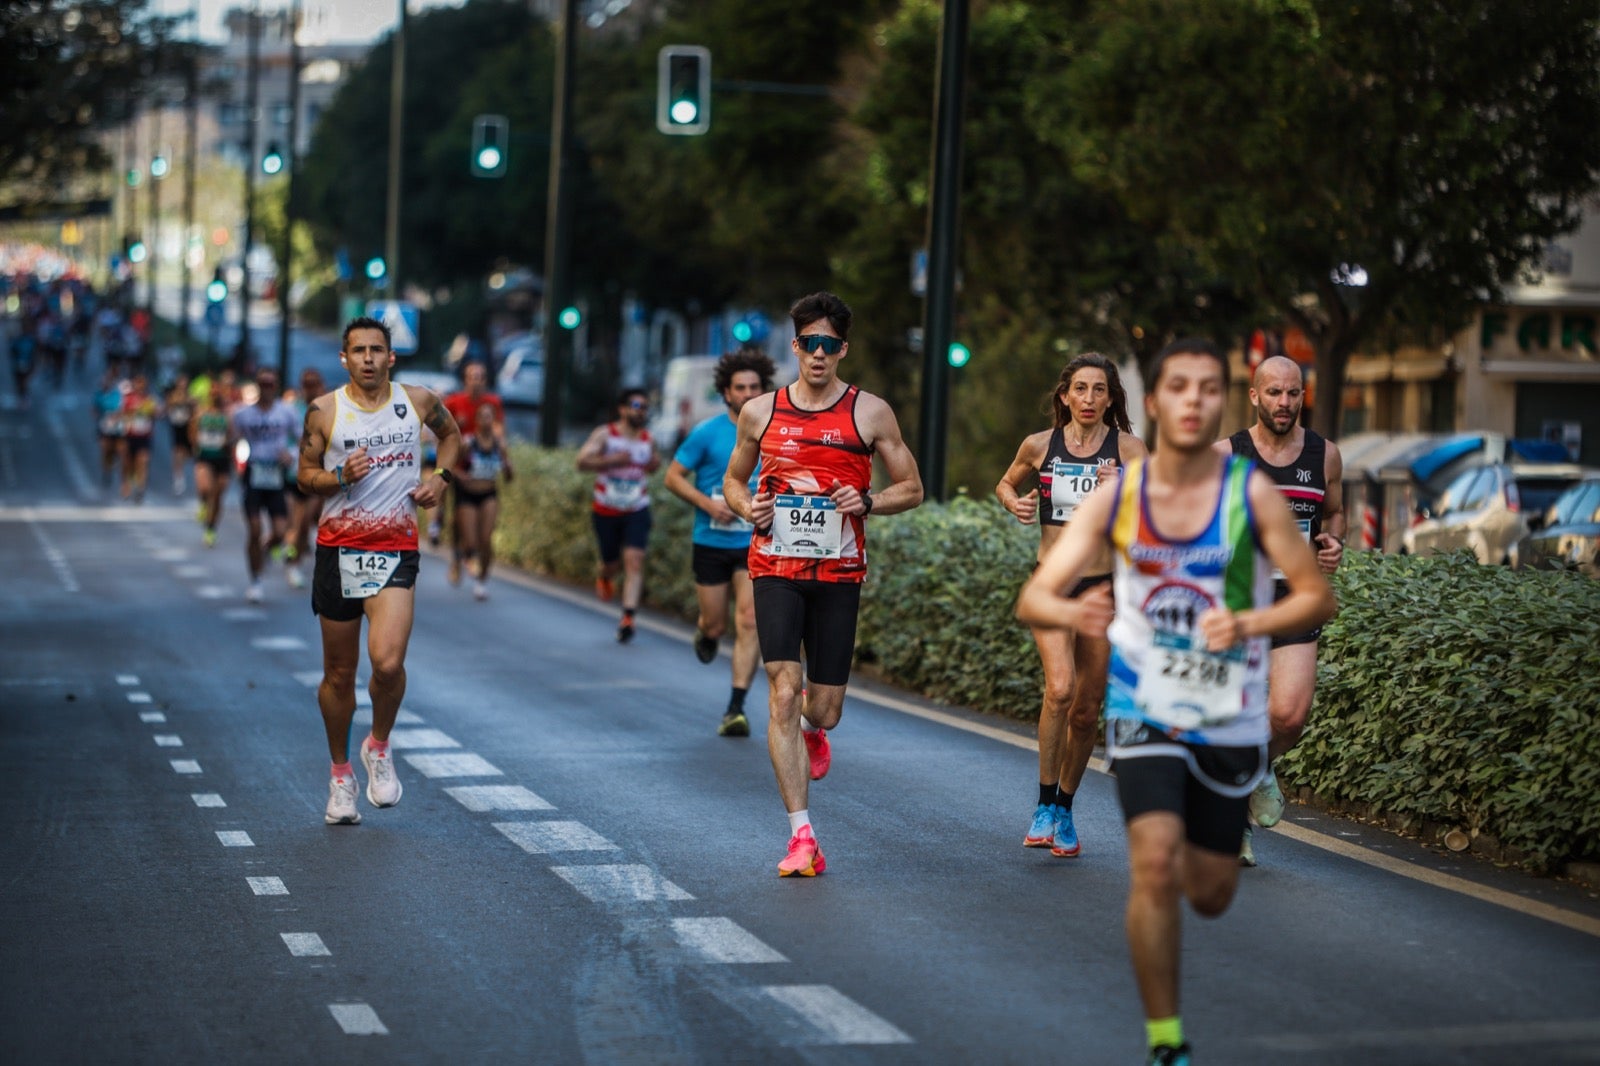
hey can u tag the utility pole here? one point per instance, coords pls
(292, 161)
(397, 138)
(130, 193)
(252, 91)
(152, 246)
(191, 110)
(943, 218)
(558, 231)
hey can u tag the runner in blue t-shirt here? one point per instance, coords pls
(722, 538)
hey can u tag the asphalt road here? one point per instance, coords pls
(581, 871)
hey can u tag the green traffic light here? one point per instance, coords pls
(158, 167)
(488, 157)
(685, 112)
(133, 179)
(217, 291)
(959, 354)
(136, 252)
(569, 317)
(742, 332)
(376, 267)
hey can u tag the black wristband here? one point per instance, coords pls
(866, 504)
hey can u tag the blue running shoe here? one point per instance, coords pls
(1065, 843)
(1167, 1055)
(1043, 829)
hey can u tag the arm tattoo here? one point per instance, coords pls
(437, 419)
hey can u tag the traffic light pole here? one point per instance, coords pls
(241, 353)
(558, 231)
(397, 138)
(943, 218)
(191, 111)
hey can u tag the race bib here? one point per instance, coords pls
(806, 527)
(623, 494)
(486, 467)
(1305, 531)
(733, 525)
(139, 426)
(211, 440)
(1184, 686)
(364, 573)
(1069, 484)
(267, 477)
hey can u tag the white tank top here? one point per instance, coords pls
(377, 512)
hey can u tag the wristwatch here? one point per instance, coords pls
(449, 478)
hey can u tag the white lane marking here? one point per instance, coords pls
(421, 738)
(308, 678)
(213, 592)
(279, 643)
(267, 886)
(833, 1017)
(722, 940)
(69, 455)
(168, 740)
(541, 838)
(363, 716)
(127, 679)
(497, 798)
(357, 1019)
(190, 571)
(207, 799)
(170, 555)
(302, 945)
(623, 882)
(1508, 1034)
(186, 766)
(139, 697)
(152, 717)
(464, 765)
(621, 682)
(235, 838)
(244, 614)
(363, 696)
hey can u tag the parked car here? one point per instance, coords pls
(1487, 509)
(1571, 533)
(688, 397)
(520, 380)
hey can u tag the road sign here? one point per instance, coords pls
(403, 320)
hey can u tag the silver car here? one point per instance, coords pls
(1487, 509)
(1571, 533)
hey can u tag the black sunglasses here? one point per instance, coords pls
(829, 345)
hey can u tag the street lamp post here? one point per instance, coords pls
(291, 161)
(397, 136)
(191, 111)
(558, 231)
(252, 90)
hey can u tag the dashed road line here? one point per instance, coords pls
(497, 798)
(542, 838)
(620, 883)
(139, 697)
(213, 592)
(305, 945)
(267, 886)
(421, 738)
(152, 717)
(357, 1019)
(235, 838)
(186, 766)
(244, 614)
(190, 571)
(463, 765)
(207, 799)
(722, 940)
(833, 1017)
(279, 643)
(125, 680)
(168, 740)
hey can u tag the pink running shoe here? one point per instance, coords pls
(820, 751)
(804, 858)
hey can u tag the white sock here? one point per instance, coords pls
(798, 819)
(806, 726)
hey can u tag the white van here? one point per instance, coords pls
(688, 397)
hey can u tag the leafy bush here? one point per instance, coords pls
(1448, 693)
(1462, 695)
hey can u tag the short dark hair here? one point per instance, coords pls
(819, 305)
(740, 361)
(629, 393)
(364, 322)
(1183, 346)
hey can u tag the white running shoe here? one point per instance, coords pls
(342, 802)
(480, 591)
(295, 578)
(1247, 849)
(253, 593)
(383, 787)
(1266, 802)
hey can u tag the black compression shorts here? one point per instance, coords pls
(819, 616)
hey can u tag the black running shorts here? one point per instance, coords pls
(819, 616)
(716, 566)
(614, 532)
(1280, 589)
(272, 501)
(1207, 786)
(327, 593)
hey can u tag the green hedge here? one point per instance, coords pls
(1450, 695)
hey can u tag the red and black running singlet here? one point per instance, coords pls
(802, 454)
